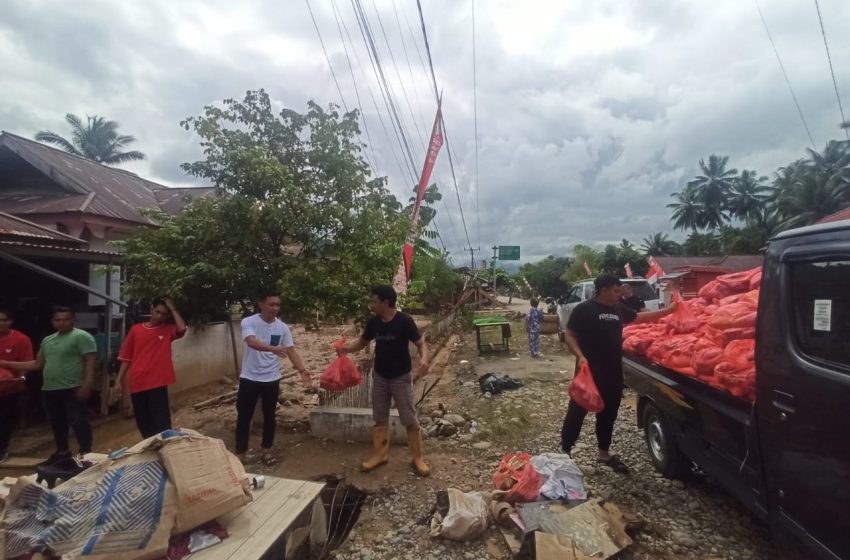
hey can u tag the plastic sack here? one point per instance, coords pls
(741, 353)
(737, 281)
(706, 359)
(341, 374)
(584, 392)
(563, 480)
(683, 320)
(11, 384)
(734, 315)
(518, 476)
(463, 518)
(714, 291)
(755, 279)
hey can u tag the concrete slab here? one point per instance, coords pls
(343, 424)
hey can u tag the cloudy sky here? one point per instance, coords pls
(590, 112)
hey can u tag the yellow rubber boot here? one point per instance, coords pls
(418, 463)
(380, 449)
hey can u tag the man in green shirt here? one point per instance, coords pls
(67, 361)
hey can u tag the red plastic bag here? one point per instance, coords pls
(714, 291)
(341, 374)
(517, 475)
(584, 392)
(11, 384)
(741, 353)
(683, 320)
(706, 359)
(737, 281)
(734, 315)
(755, 279)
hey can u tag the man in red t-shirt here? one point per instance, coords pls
(15, 346)
(146, 354)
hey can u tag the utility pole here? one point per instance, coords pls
(472, 256)
(493, 265)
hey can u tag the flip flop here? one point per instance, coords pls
(615, 464)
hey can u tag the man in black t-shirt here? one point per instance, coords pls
(595, 335)
(392, 332)
(630, 300)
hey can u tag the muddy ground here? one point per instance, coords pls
(683, 519)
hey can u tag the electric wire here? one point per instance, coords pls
(831, 69)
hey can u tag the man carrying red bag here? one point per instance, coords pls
(595, 337)
(392, 332)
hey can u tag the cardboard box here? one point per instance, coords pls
(209, 480)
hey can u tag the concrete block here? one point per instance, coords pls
(342, 424)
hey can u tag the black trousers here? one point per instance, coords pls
(612, 394)
(152, 411)
(63, 410)
(10, 414)
(246, 401)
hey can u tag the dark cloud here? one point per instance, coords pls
(590, 113)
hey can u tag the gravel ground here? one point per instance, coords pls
(683, 519)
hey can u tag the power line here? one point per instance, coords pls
(340, 19)
(475, 123)
(382, 80)
(338, 88)
(398, 75)
(409, 65)
(445, 130)
(831, 70)
(785, 74)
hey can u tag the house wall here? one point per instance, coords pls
(205, 355)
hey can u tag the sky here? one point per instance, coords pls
(590, 113)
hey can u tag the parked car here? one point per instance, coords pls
(785, 455)
(585, 290)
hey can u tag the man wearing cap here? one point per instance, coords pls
(595, 336)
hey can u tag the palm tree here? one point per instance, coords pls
(658, 245)
(747, 196)
(97, 140)
(807, 201)
(688, 209)
(713, 187)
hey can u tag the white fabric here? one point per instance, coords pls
(263, 366)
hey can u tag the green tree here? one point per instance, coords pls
(687, 210)
(584, 254)
(546, 276)
(97, 140)
(296, 209)
(747, 196)
(659, 245)
(713, 188)
(702, 245)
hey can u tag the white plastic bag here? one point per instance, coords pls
(468, 516)
(563, 479)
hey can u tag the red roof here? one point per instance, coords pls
(733, 263)
(837, 217)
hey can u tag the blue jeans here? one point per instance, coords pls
(63, 410)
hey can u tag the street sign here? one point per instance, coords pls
(508, 252)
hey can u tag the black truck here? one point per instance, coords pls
(786, 455)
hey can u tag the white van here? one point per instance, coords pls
(585, 290)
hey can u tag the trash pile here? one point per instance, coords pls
(539, 503)
(710, 338)
(131, 504)
(494, 383)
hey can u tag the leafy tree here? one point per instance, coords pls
(546, 276)
(687, 210)
(713, 188)
(747, 196)
(659, 245)
(296, 209)
(97, 140)
(583, 254)
(702, 245)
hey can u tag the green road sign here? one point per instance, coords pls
(508, 252)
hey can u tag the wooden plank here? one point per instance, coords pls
(257, 526)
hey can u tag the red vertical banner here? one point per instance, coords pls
(629, 273)
(655, 271)
(587, 269)
(402, 277)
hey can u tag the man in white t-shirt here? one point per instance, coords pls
(265, 339)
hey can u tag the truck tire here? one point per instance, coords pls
(661, 443)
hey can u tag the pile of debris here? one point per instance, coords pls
(542, 510)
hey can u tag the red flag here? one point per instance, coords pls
(628, 268)
(587, 269)
(403, 275)
(655, 270)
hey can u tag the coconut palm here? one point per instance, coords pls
(808, 200)
(97, 140)
(658, 245)
(688, 209)
(747, 196)
(713, 187)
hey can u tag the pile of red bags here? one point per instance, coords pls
(710, 338)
